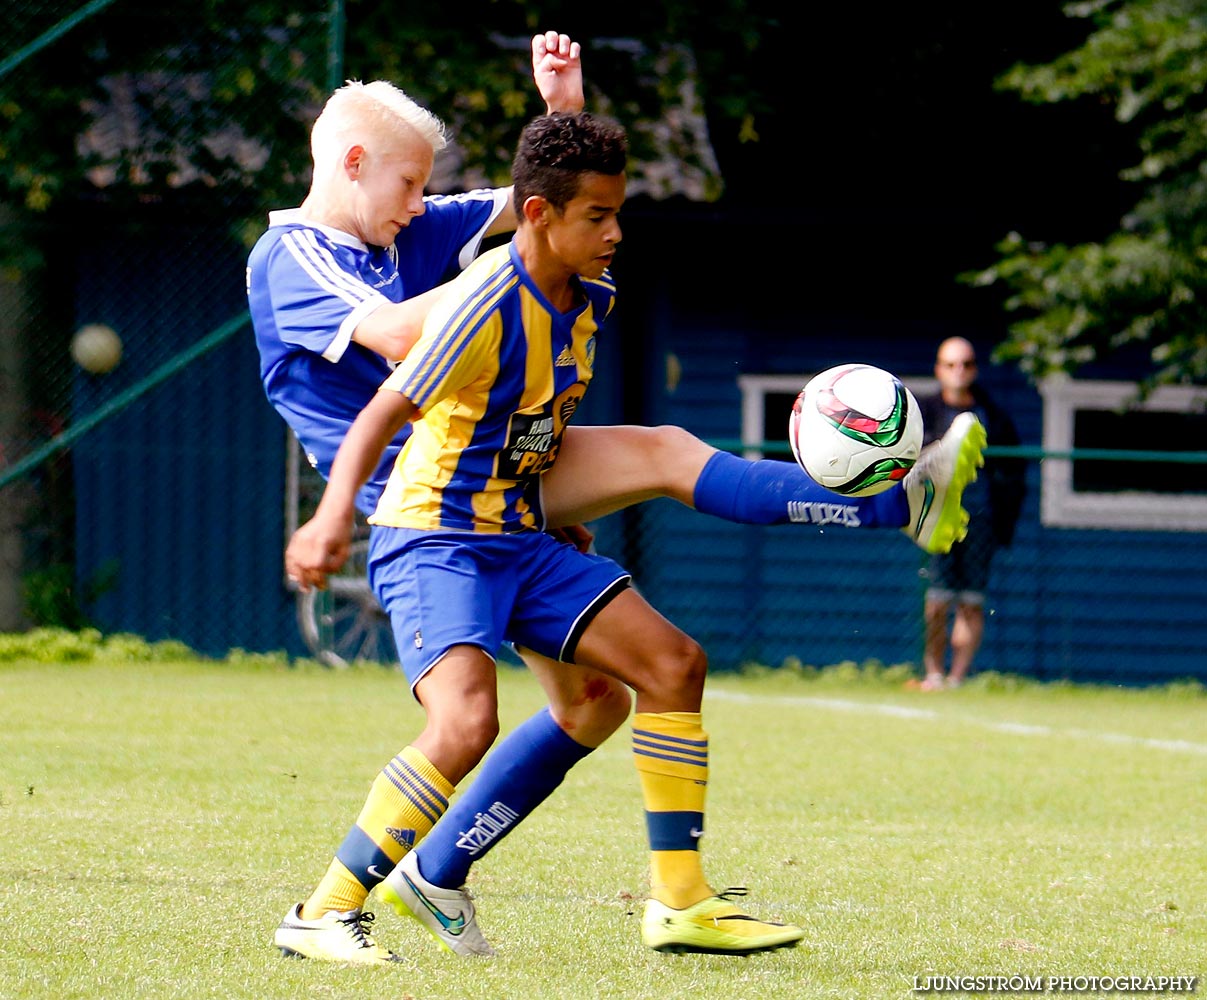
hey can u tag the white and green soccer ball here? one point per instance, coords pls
(855, 429)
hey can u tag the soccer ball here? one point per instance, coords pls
(855, 429)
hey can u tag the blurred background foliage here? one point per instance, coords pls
(140, 98)
(1142, 289)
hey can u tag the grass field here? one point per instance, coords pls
(158, 819)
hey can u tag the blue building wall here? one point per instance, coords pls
(1110, 606)
(179, 497)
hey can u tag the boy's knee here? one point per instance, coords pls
(694, 664)
(477, 721)
(681, 669)
(669, 442)
(470, 722)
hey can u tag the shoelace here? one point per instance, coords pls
(359, 926)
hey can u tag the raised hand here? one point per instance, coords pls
(558, 71)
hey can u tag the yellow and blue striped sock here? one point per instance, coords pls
(670, 750)
(406, 799)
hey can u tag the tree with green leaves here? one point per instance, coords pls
(138, 100)
(1143, 287)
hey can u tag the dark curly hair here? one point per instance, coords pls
(556, 150)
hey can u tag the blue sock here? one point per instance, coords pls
(771, 492)
(518, 775)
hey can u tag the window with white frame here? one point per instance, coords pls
(767, 400)
(1123, 493)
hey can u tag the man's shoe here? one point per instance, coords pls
(448, 914)
(713, 926)
(334, 937)
(936, 482)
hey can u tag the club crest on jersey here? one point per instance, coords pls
(565, 406)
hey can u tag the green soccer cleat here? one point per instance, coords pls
(448, 914)
(936, 483)
(333, 937)
(713, 926)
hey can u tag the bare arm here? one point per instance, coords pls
(558, 71)
(392, 329)
(320, 546)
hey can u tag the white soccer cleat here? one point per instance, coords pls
(448, 914)
(936, 483)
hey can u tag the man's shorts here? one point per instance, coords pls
(963, 573)
(452, 588)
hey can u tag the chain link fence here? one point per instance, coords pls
(141, 146)
(150, 490)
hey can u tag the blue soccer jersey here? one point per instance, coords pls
(496, 375)
(308, 286)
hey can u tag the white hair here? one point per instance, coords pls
(378, 108)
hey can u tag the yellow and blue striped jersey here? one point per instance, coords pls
(496, 375)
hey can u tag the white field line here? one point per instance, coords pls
(930, 715)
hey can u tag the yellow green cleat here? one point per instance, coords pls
(936, 483)
(713, 926)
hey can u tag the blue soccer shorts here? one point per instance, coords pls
(452, 588)
(963, 573)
